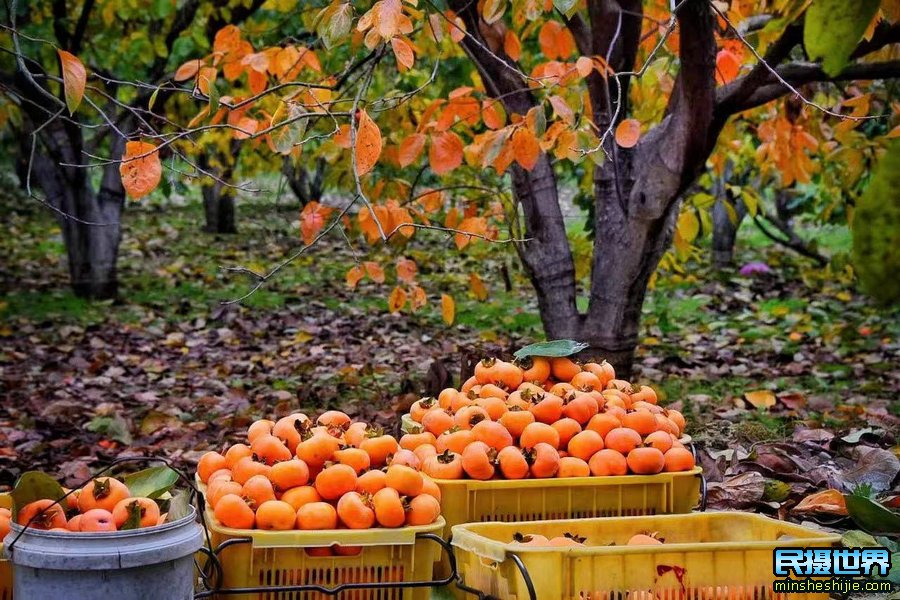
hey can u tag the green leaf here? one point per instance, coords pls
(34, 485)
(291, 127)
(152, 100)
(333, 23)
(134, 516)
(213, 97)
(833, 28)
(872, 516)
(567, 7)
(152, 482)
(751, 201)
(114, 427)
(858, 539)
(554, 348)
(179, 506)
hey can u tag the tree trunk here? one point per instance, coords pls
(725, 231)
(307, 185)
(218, 205)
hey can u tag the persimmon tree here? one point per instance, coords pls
(462, 117)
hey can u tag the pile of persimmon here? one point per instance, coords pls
(546, 417)
(333, 473)
(103, 504)
(571, 539)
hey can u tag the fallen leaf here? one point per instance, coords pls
(828, 501)
(764, 399)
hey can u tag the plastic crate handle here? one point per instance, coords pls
(529, 584)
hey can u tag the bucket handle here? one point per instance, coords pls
(195, 493)
(331, 591)
(529, 584)
(703, 482)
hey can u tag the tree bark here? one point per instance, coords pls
(725, 232)
(218, 206)
(307, 184)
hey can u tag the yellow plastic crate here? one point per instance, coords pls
(6, 571)
(279, 558)
(708, 556)
(470, 501)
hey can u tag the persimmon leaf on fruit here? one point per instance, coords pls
(445, 153)
(140, 169)
(368, 143)
(34, 485)
(833, 28)
(628, 132)
(152, 482)
(74, 78)
(134, 516)
(553, 349)
(448, 309)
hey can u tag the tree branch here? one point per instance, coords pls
(81, 26)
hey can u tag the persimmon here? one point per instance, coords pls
(585, 444)
(546, 461)
(220, 475)
(486, 371)
(536, 433)
(405, 457)
(333, 418)
(563, 368)
(462, 400)
(622, 439)
(454, 440)
(493, 434)
(354, 511)
(562, 389)
(586, 381)
(645, 394)
(644, 539)
(446, 396)
(335, 480)
(490, 390)
(530, 539)
(676, 418)
(270, 449)
(469, 416)
(258, 428)
(581, 407)
(512, 463)
(236, 453)
(233, 511)
(422, 406)
(103, 492)
(300, 495)
(678, 459)
(430, 487)
(289, 474)
(346, 550)
(97, 520)
(147, 509)
(357, 458)
(517, 400)
(208, 463)
(425, 451)
(608, 462)
(495, 407)
(275, 515)
(217, 489)
(661, 440)
(641, 405)
(477, 461)
(615, 410)
(317, 515)
(666, 424)
(642, 421)
(319, 552)
(509, 375)
(566, 540)
(317, 449)
(379, 447)
(246, 468)
(256, 490)
(617, 401)
(289, 429)
(547, 408)
(536, 369)
(603, 423)
(437, 422)
(646, 461)
(468, 384)
(71, 499)
(604, 371)
(516, 420)
(371, 482)
(447, 465)
(406, 480)
(73, 524)
(423, 510)
(389, 510)
(571, 466)
(355, 434)
(46, 513)
(411, 441)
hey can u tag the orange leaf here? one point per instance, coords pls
(431, 201)
(188, 70)
(312, 220)
(448, 309)
(727, 66)
(397, 299)
(446, 152)
(562, 109)
(526, 148)
(419, 299)
(205, 77)
(584, 65)
(140, 174)
(354, 276)
(827, 501)
(410, 149)
(477, 225)
(512, 46)
(403, 52)
(406, 270)
(374, 271)
(367, 221)
(760, 398)
(342, 137)
(74, 79)
(628, 133)
(556, 40)
(227, 39)
(492, 114)
(368, 143)
(456, 26)
(477, 287)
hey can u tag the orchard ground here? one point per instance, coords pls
(170, 370)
